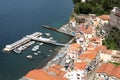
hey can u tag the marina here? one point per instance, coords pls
(27, 41)
(21, 42)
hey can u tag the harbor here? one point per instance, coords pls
(29, 40)
(21, 18)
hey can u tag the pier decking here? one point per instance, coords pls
(33, 37)
(20, 42)
(45, 40)
(55, 29)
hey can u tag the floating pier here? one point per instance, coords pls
(55, 29)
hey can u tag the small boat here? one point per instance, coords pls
(48, 55)
(39, 51)
(41, 44)
(35, 54)
(35, 48)
(29, 57)
(51, 37)
(50, 50)
(17, 51)
(47, 34)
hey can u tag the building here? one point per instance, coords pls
(78, 73)
(103, 19)
(115, 17)
(107, 71)
(83, 1)
(73, 51)
(105, 54)
(72, 22)
(115, 56)
(54, 72)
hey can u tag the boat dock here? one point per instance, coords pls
(26, 42)
(21, 42)
(55, 29)
(45, 40)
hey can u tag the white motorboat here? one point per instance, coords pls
(35, 48)
(17, 51)
(35, 54)
(29, 57)
(51, 37)
(39, 51)
(47, 34)
(50, 50)
(41, 44)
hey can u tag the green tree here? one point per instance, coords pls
(76, 1)
(83, 8)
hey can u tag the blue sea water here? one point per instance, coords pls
(21, 17)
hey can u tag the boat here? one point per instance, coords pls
(39, 51)
(48, 55)
(29, 57)
(50, 50)
(41, 44)
(47, 34)
(35, 54)
(17, 50)
(35, 48)
(51, 37)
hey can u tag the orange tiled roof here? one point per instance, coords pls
(109, 69)
(42, 75)
(88, 30)
(81, 65)
(115, 72)
(89, 56)
(105, 68)
(57, 70)
(108, 51)
(74, 46)
(104, 17)
(95, 39)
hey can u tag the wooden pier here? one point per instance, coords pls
(55, 29)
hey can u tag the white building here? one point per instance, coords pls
(115, 17)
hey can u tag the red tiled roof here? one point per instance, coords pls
(74, 47)
(109, 69)
(95, 39)
(57, 70)
(80, 65)
(104, 17)
(40, 75)
(115, 72)
(89, 56)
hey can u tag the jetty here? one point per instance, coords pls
(21, 42)
(55, 29)
(46, 40)
(25, 42)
